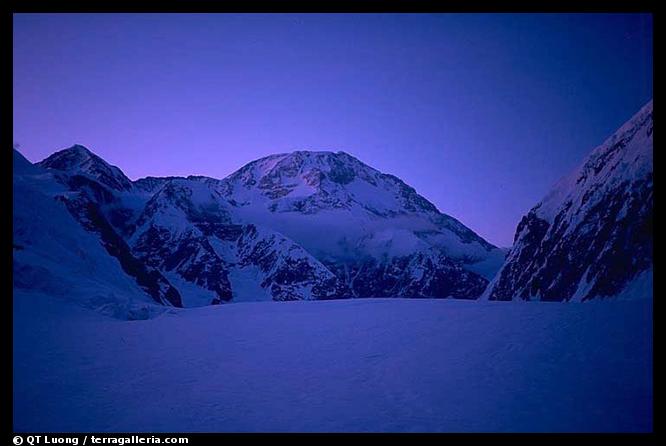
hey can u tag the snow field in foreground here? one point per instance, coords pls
(380, 365)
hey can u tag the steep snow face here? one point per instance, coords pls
(79, 160)
(591, 236)
(53, 254)
(22, 166)
(625, 157)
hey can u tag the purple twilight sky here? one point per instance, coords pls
(480, 113)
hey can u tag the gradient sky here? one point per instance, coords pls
(480, 113)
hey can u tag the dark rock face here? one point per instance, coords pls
(190, 256)
(518, 273)
(152, 184)
(341, 173)
(290, 273)
(593, 235)
(196, 262)
(184, 249)
(420, 275)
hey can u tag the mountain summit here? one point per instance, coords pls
(364, 211)
(78, 160)
(382, 237)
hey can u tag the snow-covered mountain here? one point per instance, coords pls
(381, 237)
(323, 225)
(303, 192)
(81, 161)
(591, 236)
(259, 233)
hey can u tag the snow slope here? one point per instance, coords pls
(379, 365)
(592, 235)
(53, 254)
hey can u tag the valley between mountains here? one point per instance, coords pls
(392, 315)
(313, 225)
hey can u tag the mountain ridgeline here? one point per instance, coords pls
(312, 225)
(255, 235)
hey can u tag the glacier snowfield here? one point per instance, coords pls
(364, 365)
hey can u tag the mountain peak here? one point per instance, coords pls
(366, 212)
(77, 151)
(78, 159)
(307, 154)
(80, 149)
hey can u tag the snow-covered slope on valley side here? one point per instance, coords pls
(591, 236)
(54, 255)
